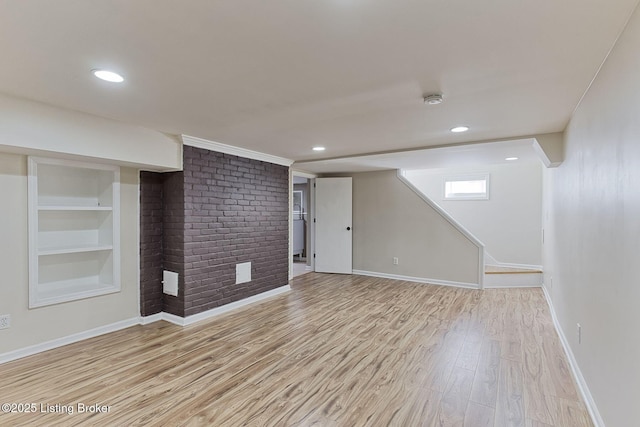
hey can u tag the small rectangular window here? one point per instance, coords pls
(467, 187)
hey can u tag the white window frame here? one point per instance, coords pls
(466, 177)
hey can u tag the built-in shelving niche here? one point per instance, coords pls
(74, 230)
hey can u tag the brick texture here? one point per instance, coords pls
(151, 250)
(236, 210)
(220, 211)
(173, 238)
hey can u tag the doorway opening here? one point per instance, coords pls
(301, 197)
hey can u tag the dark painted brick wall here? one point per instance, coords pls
(236, 210)
(173, 241)
(151, 232)
(220, 211)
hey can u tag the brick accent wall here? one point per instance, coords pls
(151, 250)
(236, 210)
(173, 238)
(220, 211)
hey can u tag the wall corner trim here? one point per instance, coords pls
(575, 369)
(194, 141)
(418, 279)
(550, 148)
(304, 174)
(145, 320)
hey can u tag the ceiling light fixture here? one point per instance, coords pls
(318, 148)
(434, 99)
(459, 129)
(510, 159)
(108, 76)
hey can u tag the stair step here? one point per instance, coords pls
(496, 276)
(495, 269)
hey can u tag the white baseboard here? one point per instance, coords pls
(145, 320)
(511, 286)
(577, 374)
(172, 318)
(189, 320)
(70, 339)
(418, 279)
(59, 342)
(232, 306)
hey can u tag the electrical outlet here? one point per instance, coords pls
(579, 333)
(5, 321)
(395, 260)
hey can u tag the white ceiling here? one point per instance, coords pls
(430, 158)
(281, 76)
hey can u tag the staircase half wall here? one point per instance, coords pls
(392, 221)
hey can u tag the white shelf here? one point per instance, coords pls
(74, 230)
(73, 250)
(75, 208)
(72, 290)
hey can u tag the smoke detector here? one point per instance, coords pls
(434, 99)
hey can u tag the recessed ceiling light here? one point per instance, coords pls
(434, 99)
(318, 148)
(108, 76)
(459, 129)
(510, 159)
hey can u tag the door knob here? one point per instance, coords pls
(348, 228)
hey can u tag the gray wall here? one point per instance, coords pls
(390, 220)
(592, 228)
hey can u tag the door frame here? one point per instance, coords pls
(311, 215)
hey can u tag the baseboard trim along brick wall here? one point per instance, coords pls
(220, 211)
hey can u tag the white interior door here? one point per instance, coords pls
(333, 225)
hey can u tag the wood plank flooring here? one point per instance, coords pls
(336, 351)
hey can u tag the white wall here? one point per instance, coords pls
(32, 127)
(390, 220)
(38, 325)
(592, 223)
(510, 222)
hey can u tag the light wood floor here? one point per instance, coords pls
(496, 269)
(337, 351)
(299, 268)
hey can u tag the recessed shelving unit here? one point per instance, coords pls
(74, 230)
